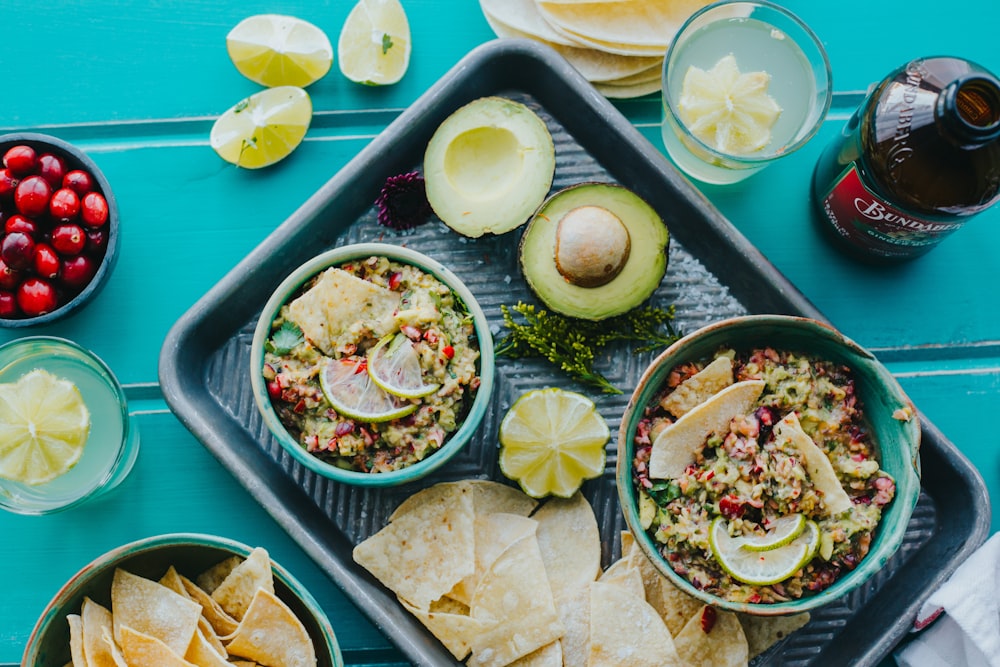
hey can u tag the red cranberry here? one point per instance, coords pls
(64, 205)
(47, 262)
(36, 297)
(32, 196)
(19, 223)
(8, 183)
(8, 304)
(97, 241)
(731, 506)
(94, 209)
(9, 278)
(78, 181)
(69, 239)
(52, 168)
(77, 271)
(20, 160)
(17, 250)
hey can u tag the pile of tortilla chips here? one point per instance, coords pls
(618, 45)
(501, 581)
(228, 615)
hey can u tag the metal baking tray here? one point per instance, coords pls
(713, 273)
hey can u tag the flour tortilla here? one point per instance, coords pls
(522, 16)
(616, 92)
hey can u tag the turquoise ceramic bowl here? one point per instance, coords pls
(337, 257)
(881, 395)
(48, 645)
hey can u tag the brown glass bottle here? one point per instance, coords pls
(915, 161)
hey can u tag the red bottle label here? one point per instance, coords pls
(876, 226)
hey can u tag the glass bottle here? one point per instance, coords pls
(915, 161)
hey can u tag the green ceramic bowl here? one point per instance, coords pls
(48, 645)
(336, 257)
(881, 395)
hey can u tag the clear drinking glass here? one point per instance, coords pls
(761, 37)
(113, 442)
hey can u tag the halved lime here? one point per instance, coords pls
(551, 440)
(374, 44)
(394, 365)
(350, 390)
(44, 425)
(762, 568)
(277, 50)
(264, 128)
(785, 529)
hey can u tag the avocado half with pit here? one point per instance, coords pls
(594, 250)
(488, 166)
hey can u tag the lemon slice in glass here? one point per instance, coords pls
(785, 529)
(264, 128)
(352, 393)
(551, 440)
(394, 365)
(762, 568)
(44, 425)
(728, 110)
(374, 44)
(276, 50)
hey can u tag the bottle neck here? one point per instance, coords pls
(968, 110)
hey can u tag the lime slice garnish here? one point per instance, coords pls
(785, 529)
(551, 440)
(44, 425)
(374, 44)
(762, 568)
(276, 50)
(350, 390)
(264, 128)
(394, 365)
(728, 110)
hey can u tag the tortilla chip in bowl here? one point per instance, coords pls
(140, 604)
(776, 480)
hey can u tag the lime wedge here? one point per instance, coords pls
(394, 366)
(551, 440)
(350, 390)
(728, 110)
(44, 425)
(762, 568)
(374, 44)
(264, 128)
(276, 50)
(785, 529)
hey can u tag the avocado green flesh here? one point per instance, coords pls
(488, 166)
(638, 278)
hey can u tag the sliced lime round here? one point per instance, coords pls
(785, 529)
(351, 392)
(762, 568)
(394, 365)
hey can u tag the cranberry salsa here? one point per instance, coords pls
(338, 321)
(744, 475)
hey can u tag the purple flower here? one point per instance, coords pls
(403, 204)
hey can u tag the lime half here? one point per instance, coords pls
(551, 440)
(264, 128)
(44, 425)
(394, 365)
(374, 44)
(785, 529)
(762, 568)
(277, 50)
(352, 393)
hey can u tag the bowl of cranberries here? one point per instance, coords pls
(58, 229)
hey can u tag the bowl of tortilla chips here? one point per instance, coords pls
(768, 464)
(183, 599)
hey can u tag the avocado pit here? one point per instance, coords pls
(592, 246)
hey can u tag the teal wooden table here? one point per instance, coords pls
(138, 84)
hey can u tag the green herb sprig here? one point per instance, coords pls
(285, 338)
(573, 345)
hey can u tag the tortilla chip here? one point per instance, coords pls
(700, 387)
(339, 301)
(573, 608)
(625, 574)
(239, 587)
(763, 632)
(570, 542)
(626, 630)
(210, 579)
(453, 629)
(271, 634)
(816, 462)
(549, 655)
(203, 653)
(723, 645)
(487, 497)
(76, 640)
(675, 446)
(222, 623)
(150, 609)
(142, 649)
(208, 632)
(96, 621)
(493, 534)
(424, 552)
(172, 580)
(117, 659)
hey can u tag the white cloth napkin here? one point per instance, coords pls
(967, 612)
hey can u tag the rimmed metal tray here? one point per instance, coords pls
(713, 273)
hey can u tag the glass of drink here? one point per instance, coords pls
(744, 83)
(54, 452)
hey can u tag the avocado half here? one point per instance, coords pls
(594, 250)
(488, 166)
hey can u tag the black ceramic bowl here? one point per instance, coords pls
(69, 299)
